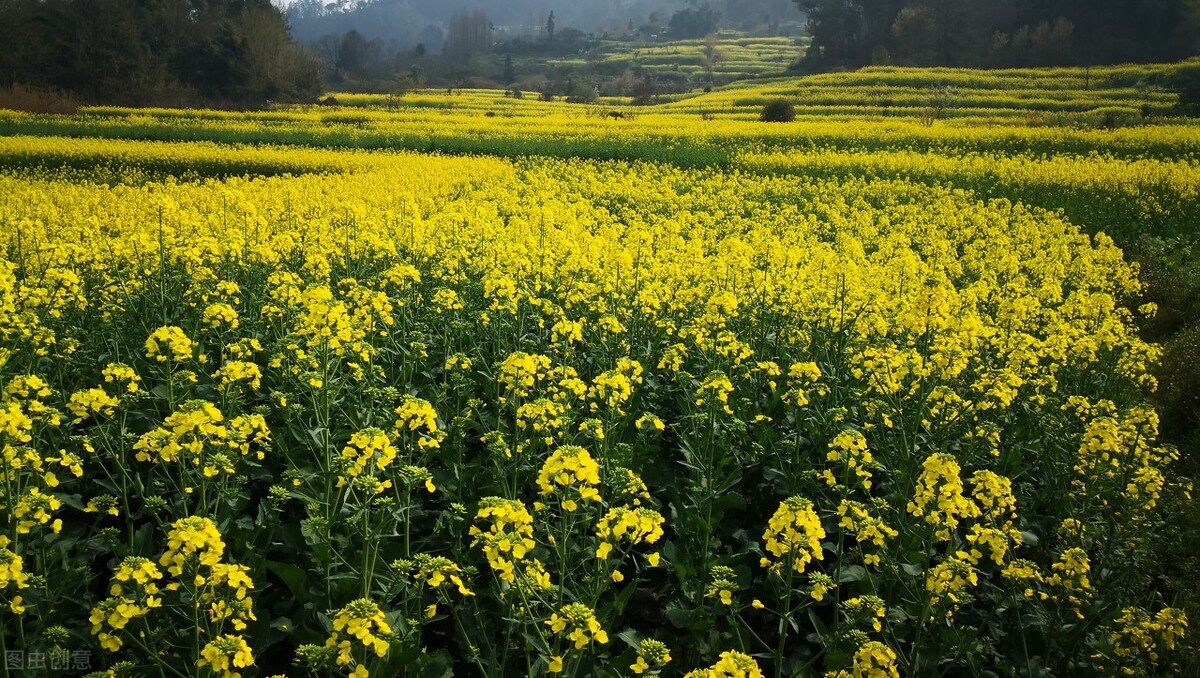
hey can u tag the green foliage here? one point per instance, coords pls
(778, 110)
(694, 22)
(846, 33)
(1186, 81)
(224, 52)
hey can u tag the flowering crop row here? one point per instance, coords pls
(562, 416)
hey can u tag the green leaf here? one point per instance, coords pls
(292, 576)
(72, 500)
(679, 615)
(535, 641)
(850, 573)
(731, 500)
(631, 637)
(439, 666)
(283, 624)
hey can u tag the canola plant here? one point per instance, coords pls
(397, 413)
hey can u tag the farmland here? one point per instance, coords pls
(733, 57)
(458, 382)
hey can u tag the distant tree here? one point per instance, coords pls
(433, 37)
(938, 101)
(712, 55)
(836, 27)
(849, 33)
(550, 27)
(643, 91)
(162, 52)
(510, 72)
(267, 65)
(694, 22)
(469, 34)
(359, 58)
(777, 110)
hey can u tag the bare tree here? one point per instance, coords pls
(469, 34)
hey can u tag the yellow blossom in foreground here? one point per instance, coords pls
(571, 467)
(732, 664)
(360, 621)
(508, 539)
(872, 660)
(794, 536)
(224, 654)
(11, 570)
(577, 622)
(169, 343)
(192, 536)
(939, 495)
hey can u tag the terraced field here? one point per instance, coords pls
(1018, 96)
(737, 57)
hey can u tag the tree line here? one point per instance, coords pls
(161, 52)
(998, 33)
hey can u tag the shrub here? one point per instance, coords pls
(778, 110)
(37, 100)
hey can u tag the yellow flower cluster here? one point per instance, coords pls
(12, 572)
(651, 655)
(509, 537)
(849, 449)
(997, 512)
(435, 571)
(363, 622)
(867, 609)
(169, 343)
(1138, 636)
(801, 378)
(192, 536)
(1070, 573)
(220, 316)
(368, 448)
(614, 388)
(948, 580)
(93, 401)
(224, 654)
(793, 536)
(577, 622)
(520, 372)
(717, 388)
(722, 584)
(570, 468)
(872, 659)
(417, 415)
(36, 508)
(222, 590)
(857, 520)
(939, 495)
(542, 418)
(226, 593)
(633, 525)
(120, 373)
(198, 434)
(239, 371)
(133, 596)
(731, 664)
